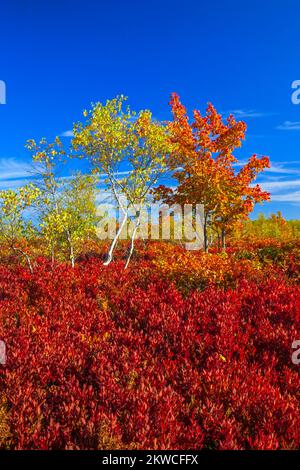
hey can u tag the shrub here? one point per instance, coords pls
(106, 358)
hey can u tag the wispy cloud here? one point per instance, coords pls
(68, 133)
(282, 181)
(280, 169)
(13, 184)
(15, 173)
(292, 197)
(10, 168)
(247, 113)
(275, 186)
(289, 126)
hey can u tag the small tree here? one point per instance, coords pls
(131, 150)
(16, 230)
(47, 157)
(239, 196)
(66, 205)
(203, 164)
(77, 217)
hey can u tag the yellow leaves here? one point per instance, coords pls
(15, 229)
(69, 216)
(45, 154)
(14, 202)
(114, 135)
(223, 358)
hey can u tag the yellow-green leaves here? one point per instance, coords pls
(13, 203)
(15, 227)
(115, 138)
(131, 150)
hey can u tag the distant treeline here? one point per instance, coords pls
(274, 226)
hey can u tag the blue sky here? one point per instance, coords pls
(58, 56)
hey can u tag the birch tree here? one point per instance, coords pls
(131, 150)
(16, 229)
(66, 205)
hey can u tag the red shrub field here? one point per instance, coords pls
(189, 352)
(116, 336)
(149, 233)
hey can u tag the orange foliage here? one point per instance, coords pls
(203, 164)
(196, 270)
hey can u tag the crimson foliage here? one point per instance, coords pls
(112, 359)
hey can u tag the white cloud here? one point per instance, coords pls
(289, 162)
(275, 168)
(279, 185)
(13, 184)
(247, 113)
(68, 133)
(289, 126)
(10, 168)
(279, 168)
(288, 197)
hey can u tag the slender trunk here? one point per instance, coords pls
(205, 234)
(223, 240)
(26, 256)
(71, 249)
(114, 242)
(132, 243)
(72, 257)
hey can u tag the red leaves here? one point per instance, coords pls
(104, 358)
